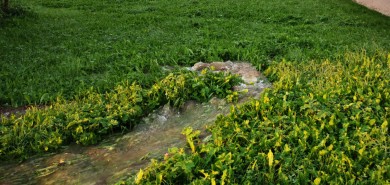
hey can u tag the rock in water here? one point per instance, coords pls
(248, 73)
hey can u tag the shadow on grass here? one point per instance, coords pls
(15, 11)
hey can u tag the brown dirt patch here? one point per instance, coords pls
(382, 6)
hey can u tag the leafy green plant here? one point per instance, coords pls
(88, 118)
(321, 123)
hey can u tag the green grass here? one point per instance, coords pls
(324, 121)
(64, 47)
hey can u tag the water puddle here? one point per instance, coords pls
(122, 155)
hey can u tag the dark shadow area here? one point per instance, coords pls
(14, 11)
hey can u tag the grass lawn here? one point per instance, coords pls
(325, 120)
(63, 47)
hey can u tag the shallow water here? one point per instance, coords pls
(122, 155)
(119, 155)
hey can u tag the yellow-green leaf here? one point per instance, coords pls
(372, 121)
(139, 176)
(270, 158)
(224, 175)
(331, 122)
(266, 99)
(317, 181)
(213, 182)
(384, 125)
(159, 178)
(286, 148)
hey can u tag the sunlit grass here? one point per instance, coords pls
(65, 47)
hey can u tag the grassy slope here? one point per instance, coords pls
(64, 47)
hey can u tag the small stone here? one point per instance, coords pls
(207, 138)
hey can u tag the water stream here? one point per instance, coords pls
(121, 155)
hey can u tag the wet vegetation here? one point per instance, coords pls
(87, 119)
(100, 67)
(322, 123)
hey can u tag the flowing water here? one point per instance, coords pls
(122, 155)
(119, 155)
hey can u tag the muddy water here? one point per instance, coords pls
(122, 155)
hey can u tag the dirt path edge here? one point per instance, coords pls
(381, 6)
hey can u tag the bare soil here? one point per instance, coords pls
(382, 6)
(7, 111)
